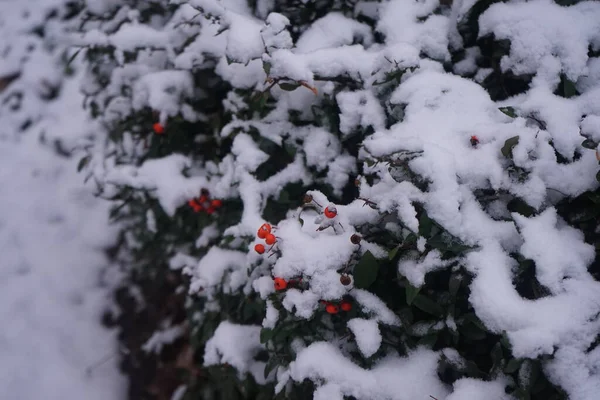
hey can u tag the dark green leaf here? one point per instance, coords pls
(270, 366)
(569, 89)
(519, 206)
(83, 162)
(392, 253)
(428, 340)
(266, 334)
(301, 221)
(365, 272)
(411, 293)
(425, 225)
(510, 111)
(512, 365)
(429, 306)
(454, 284)
(289, 87)
(267, 67)
(598, 176)
(509, 144)
(589, 144)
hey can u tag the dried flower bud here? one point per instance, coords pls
(307, 199)
(355, 239)
(345, 280)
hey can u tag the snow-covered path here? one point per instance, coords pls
(51, 234)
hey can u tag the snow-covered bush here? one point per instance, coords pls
(367, 200)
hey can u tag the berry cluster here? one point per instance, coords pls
(332, 308)
(204, 203)
(281, 284)
(264, 232)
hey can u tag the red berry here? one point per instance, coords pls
(259, 248)
(158, 128)
(192, 203)
(346, 305)
(474, 140)
(280, 283)
(266, 227)
(210, 210)
(330, 211)
(202, 199)
(332, 309)
(270, 239)
(216, 203)
(261, 233)
(198, 208)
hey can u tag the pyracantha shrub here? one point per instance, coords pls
(397, 187)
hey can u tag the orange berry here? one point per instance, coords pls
(270, 239)
(259, 248)
(216, 203)
(330, 211)
(158, 128)
(346, 306)
(332, 309)
(279, 283)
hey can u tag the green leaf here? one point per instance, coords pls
(569, 89)
(411, 293)
(429, 306)
(454, 284)
(289, 87)
(509, 144)
(365, 272)
(510, 111)
(598, 176)
(266, 334)
(267, 67)
(428, 340)
(512, 366)
(589, 144)
(392, 253)
(270, 366)
(425, 225)
(519, 206)
(83, 162)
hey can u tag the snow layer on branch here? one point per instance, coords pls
(236, 345)
(210, 273)
(399, 22)
(162, 178)
(393, 377)
(546, 38)
(367, 335)
(475, 389)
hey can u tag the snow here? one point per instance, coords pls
(367, 335)
(236, 345)
(55, 279)
(424, 121)
(392, 378)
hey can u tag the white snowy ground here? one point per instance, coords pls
(52, 232)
